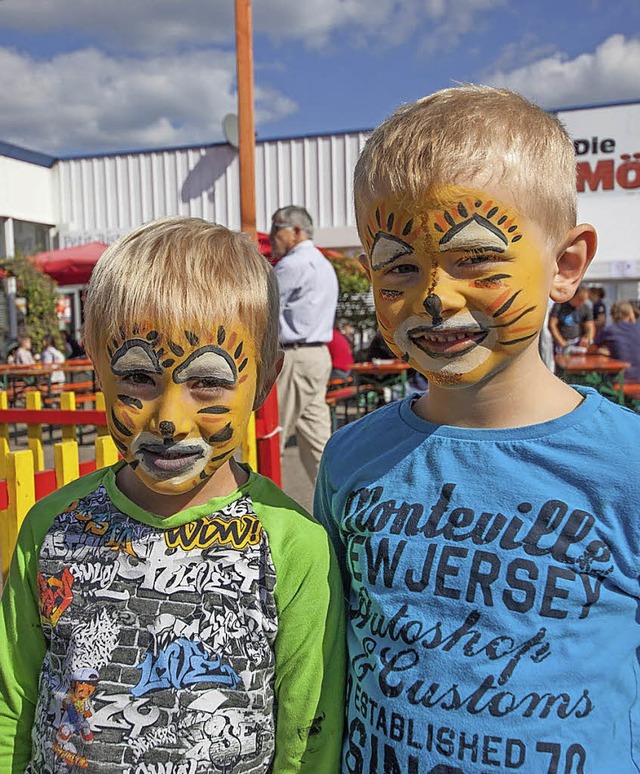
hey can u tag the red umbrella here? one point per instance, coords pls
(70, 265)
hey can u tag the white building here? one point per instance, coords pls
(48, 202)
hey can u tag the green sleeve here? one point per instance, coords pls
(22, 641)
(310, 647)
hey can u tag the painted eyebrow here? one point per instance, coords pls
(135, 355)
(477, 233)
(207, 363)
(386, 249)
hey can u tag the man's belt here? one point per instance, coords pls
(299, 344)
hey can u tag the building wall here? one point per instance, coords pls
(106, 196)
(102, 197)
(28, 191)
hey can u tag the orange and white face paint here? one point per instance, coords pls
(178, 403)
(460, 283)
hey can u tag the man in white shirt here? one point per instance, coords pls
(308, 299)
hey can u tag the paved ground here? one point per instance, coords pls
(295, 481)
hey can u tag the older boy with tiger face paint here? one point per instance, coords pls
(197, 594)
(487, 527)
(459, 283)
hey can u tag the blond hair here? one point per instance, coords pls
(180, 270)
(472, 135)
(622, 310)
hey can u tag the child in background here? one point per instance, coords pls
(487, 529)
(176, 607)
(24, 354)
(50, 355)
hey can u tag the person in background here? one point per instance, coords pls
(24, 354)
(50, 355)
(72, 348)
(621, 339)
(378, 349)
(308, 299)
(571, 322)
(596, 296)
(341, 355)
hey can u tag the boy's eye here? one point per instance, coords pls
(209, 383)
(138, 377)
(403, 268)
(476, 259)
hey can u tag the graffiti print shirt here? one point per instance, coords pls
(208, 641)
(493, 575)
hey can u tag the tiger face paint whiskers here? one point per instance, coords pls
(458, 282)
(179, 403)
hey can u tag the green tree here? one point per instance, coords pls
(355, 305)
(40, 292)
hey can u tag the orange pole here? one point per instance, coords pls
(267, 436)
(246, 125)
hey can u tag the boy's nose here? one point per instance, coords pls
(171, 416)
(433, 307)
(443, 299)
(167, 429)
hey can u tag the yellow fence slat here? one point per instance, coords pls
(4, 437)
(249, 448)
(101, 406)
(66, 462)
(68, 403)
(34, 432)
(106, 452)
(22, 495)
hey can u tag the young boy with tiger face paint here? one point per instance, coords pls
(203, 601)
(485, 528)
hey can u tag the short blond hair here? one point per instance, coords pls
(185, 270)
(472, 135)
(622, 310)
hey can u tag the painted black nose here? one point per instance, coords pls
(433, 307)
(167, 429)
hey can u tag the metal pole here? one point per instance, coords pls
(246, 126)
(10, 292)
(267, 435)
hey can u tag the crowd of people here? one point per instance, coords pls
(54, 350)
(465, 597)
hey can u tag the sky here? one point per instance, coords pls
(89, 76)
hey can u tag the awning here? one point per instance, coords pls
(73, 265)
(70, 265)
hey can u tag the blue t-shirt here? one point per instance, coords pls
(493, 590)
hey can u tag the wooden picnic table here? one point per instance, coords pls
(17, 378)
(386, 373)
(604, 373)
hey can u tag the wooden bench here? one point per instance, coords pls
(631, 392)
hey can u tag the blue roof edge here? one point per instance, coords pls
(24, 154)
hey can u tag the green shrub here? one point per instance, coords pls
(40, 291)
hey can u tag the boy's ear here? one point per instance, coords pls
(572, 261)
(364, 262)
(260, 399)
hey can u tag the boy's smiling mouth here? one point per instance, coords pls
(446, 342)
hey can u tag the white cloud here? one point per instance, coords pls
(170, 25)
(608, 74)
(87, 100)
(387, 23)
